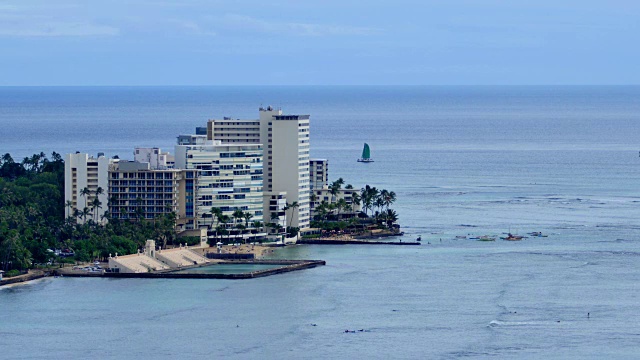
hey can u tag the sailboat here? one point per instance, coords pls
(366, 154)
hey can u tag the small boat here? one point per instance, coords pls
(461, 237)
(511, 237)
(486, 238)
(366, 154)
(419, 239)
(537, 234)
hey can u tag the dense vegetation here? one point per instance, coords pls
(338, 214)
(33, 223)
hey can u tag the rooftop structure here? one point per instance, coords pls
(154, 156)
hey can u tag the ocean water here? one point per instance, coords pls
(463, 161)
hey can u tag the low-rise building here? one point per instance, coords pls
(320, 195)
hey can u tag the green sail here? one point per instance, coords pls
(366, 152)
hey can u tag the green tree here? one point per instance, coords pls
(291, 206)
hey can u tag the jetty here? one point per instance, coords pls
(286, 266)
(320, 241)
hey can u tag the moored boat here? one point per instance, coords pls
(511, 237)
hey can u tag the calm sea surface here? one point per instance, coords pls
(463, 161)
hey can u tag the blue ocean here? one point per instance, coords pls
(464, 161)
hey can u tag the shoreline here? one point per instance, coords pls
(258, 251)
(31, 275)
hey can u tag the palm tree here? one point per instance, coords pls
(348, 208)
(378, 203)
(368, 195)
(247, 218)
(237, 215)
(215, 212)
(331, 207)
(291, 206)
(224, 219)
(96, 204)
(322, 210)
(240, 228)
(85, 212)
(341, 205)
(355, 198)
(388, 197)
(335, 187)
(220, 229)
(84, 193)
(390, 217)
(274, 218)
(68, 205)
(256, 225)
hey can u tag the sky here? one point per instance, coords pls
(328, 42)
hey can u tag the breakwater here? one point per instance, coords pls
(287, 266)
(352, 242)
(31, 275)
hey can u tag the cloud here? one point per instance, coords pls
(250, 24)
(43, 21)
(53, 28)
(192, 27)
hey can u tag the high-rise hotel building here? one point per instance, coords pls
(82, 171)
(230, 178)
(286, 155)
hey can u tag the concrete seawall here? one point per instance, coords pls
(288, 266)
(352, 242)
(32, 275)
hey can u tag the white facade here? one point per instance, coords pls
(154, 156)
(80, 172)
(230, 130)
(286, 153)
(231, 178)
(287, 160)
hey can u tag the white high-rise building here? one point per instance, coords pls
(84, 172)
(286, 155)
(231, 178)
